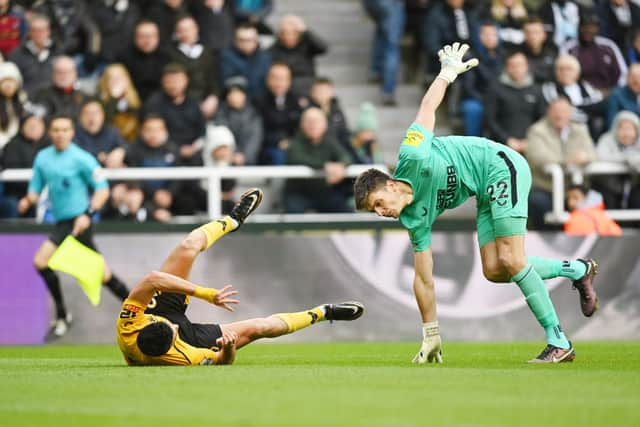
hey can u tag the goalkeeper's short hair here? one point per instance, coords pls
(367, 182)
(155, 339)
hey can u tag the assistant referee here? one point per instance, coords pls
(70, 174)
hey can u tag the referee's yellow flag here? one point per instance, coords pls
(81, 262)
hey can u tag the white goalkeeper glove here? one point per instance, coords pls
(451, 61)
(431, 349)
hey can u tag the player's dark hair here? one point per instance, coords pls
(155, 339)
(366, 183)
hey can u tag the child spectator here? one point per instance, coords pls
(242, 119)
(587, 215)
(364, 141)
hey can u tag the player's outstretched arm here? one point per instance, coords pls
(165, 282)
(424, 289)
(451, 66)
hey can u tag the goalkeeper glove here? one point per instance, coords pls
(451, 60)
(431, 349)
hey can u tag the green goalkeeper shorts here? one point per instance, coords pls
(503, 208)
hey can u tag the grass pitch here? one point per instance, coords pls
(342, 384)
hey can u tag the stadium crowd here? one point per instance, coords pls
(161, 83)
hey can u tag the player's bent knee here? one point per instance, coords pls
(191, 243)
(493, 273)
(511, 263)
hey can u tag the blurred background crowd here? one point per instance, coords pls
(164, 83)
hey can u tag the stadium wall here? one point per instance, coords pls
(286, 271)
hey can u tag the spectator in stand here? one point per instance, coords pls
(19, 153)
(618, 18)
(98, 138)
(13, 27)
(120, 100)
(540, 53)
(215, 19)
(416, 12)
(513, 103)
(364, 140)
(126, 203)
(253, 12)
(116, 21)
(245, 58)
(243, 120)
(389, 18)
(181, 113)
(280, 110)
(600, 59)
(297, 46)
(220, 151)
(626, 97)
(60, 97)
(447, 22)
(314, 147)
(633, 53)
(323, 96)
(477, 81)
(588, 101)
(510, 16)
(587, 215)
(35, 55)
(154, 149)
(621, 145)
(554, 139)
(13, 102)
(201, 65)
(165, 14)
(75, 31)
(561, 20)
(145, 59)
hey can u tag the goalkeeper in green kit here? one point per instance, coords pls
(438, 173)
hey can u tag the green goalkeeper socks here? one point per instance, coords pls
(549, 268)
(539, 302)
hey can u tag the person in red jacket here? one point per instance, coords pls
(588, 215)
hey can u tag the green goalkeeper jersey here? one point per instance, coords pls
(443, 172)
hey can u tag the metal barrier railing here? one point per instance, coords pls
(213, 175)
(558, 215)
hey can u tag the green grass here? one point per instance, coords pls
(360, 384)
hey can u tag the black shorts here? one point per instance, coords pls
(173, 307)
(64, 228)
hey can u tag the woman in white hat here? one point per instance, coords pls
(12, 101)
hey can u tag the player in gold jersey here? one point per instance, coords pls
(153, 329)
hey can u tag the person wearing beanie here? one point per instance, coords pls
(364, 143)
(242, 119)
(219, 151)
(12, 101)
